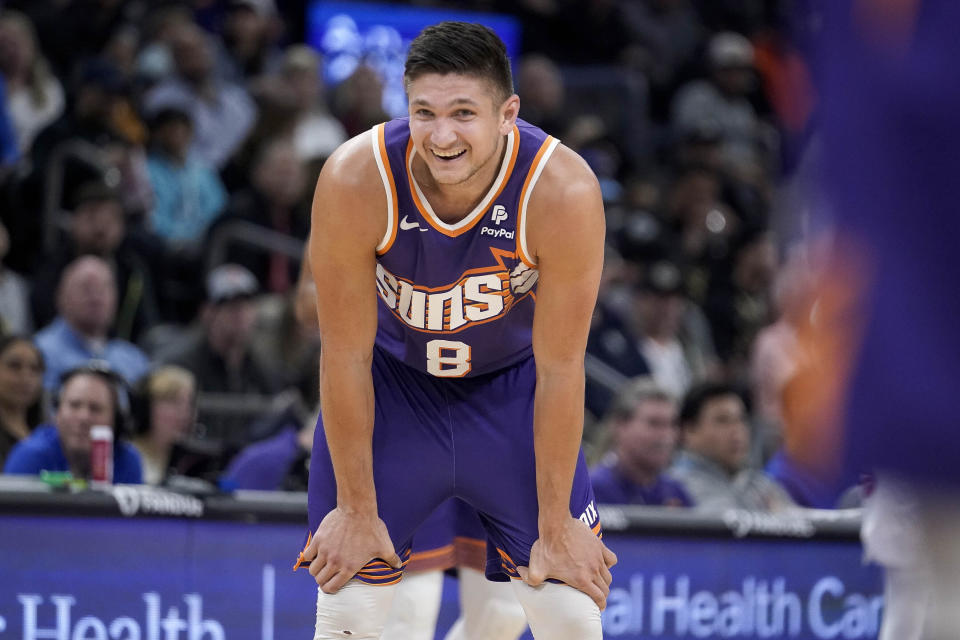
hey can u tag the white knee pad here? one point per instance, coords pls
(416, 605)
(357, 612)
(488, 610)
(559, 612)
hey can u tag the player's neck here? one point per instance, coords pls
(451, 202)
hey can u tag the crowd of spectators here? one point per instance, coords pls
(156, 162)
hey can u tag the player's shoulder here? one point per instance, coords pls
(566, 182)
(353, 163)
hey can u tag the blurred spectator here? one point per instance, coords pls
(281, 461)
(317, 133)
(249, 37)
(676, 356)
(541, 90)
(15, 316)
(98, 228)
(275, 200)
(164, 406)
(98, 93)
(702, 221)
(222, 112)
(188, 194)
(21, 391)
(722, 98)
(154, 61)
(662, 334)
(88, 397)
(667, 34)
(278, 463)
(276, 120)
(221, 354)
(122, 48)
(643, 425)
(358, 101)
(739, 300)
(87, 306)
(34, 95)
(716, 446)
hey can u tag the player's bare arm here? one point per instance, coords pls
(348, 221)
(565, 233)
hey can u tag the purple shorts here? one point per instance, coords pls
(440, 438)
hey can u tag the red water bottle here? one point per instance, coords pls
(101, 456)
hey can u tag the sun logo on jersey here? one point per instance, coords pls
(478, 296)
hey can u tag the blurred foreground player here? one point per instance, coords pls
(451, 384)
(883, 347)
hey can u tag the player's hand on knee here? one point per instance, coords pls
(573, 554)
(343, 544)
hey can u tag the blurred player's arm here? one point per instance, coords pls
(565, 231)
(348, 221)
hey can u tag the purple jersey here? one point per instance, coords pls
(457, 299)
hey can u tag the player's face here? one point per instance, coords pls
(457, 124)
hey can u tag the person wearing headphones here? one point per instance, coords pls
(89, 395)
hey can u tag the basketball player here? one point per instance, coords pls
(879, 389)
(456, 255)
(451, 537)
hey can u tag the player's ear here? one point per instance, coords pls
(509, 111)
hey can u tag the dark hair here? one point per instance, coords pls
(119, 392)
(35, 410)
(700, 395)
(460, 47)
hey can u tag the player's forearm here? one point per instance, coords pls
(557, 432)
(346, 392)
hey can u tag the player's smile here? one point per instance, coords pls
(446, 156)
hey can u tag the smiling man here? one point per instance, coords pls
(457, 254)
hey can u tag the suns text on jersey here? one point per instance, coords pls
(473, 299)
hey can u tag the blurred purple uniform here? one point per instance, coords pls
(891, 133)
(453, 368)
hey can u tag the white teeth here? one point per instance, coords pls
(447, 156)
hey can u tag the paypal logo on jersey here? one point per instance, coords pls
(498, 215)
(496, 233)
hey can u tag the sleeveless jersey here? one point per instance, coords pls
(457, 299)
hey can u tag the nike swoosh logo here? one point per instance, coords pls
(406, 225)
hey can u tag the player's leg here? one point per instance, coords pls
(906, 603)
(496, 473)
(488, 610)
(357, 611)
(410, 427)
(416, 604)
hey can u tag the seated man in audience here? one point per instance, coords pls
(643, 424)
(89, 396)
(221, 353)
(87, 304)
(713, 463)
